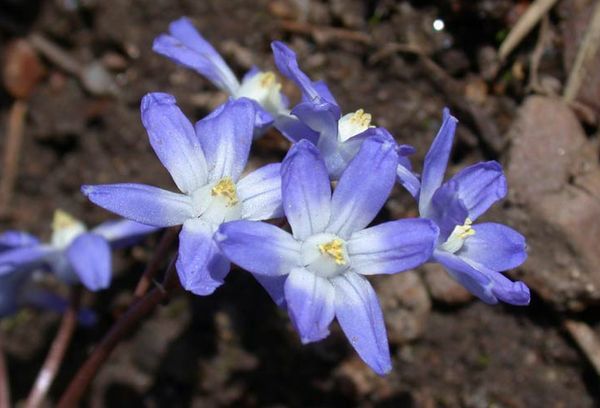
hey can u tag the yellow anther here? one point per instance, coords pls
(267, 79)
(464, 231)
(63, 220)
(226, 188)
(335, 249)
(360, 118)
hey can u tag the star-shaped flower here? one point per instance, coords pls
(319, 271)
(206, 163)
(474, 254)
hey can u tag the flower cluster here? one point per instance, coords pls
(318, 267)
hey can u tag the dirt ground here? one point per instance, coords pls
(236, 348)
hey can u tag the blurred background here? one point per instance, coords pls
(74, 72)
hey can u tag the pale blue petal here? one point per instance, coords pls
(306, 190)
(479, 186)
(226, 138)
(495, 246)
(436, 162)
(200, 265)
(311, 304)
(173, 139)
(359, 314)
(19, 257)
(488, 285)
(187, 47)
(274, 285)
(122, 233)
(294, 129)
(260, 193)
(392, 247)
(142, 203)
(15, 239)
(89, 255)
(364, 187)
(258, 247)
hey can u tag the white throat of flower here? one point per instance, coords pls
(325, 255)
(458, 236)
(264, 89)
(352, 124)
(65, 228)
(217, 202)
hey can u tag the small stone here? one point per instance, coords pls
(406, 305)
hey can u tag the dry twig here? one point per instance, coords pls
(12, 151)
(585, 54)
(587, 341)
(57, 352)
(528, 20)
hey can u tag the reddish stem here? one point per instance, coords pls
(57, 352)
(119, 330)
(152, 268)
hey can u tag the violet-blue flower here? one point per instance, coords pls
(74, 254)
(338, 137)
(186, 46)
(474, 254)
(319, 271)
(206, 164)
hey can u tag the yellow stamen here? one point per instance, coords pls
(335, 249)
(360, 118)
(267, 79)
(226, 188)
(464, 231)
(63, 220)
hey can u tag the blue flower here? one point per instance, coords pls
(206, 164)
(319, 271)
(474, 254)
(338, 137)
(186, 46)
(73, 254)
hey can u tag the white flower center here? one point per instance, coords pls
(352, 124)
(265, 89)
(65, 228)
(457, 239)
(325, 255)
(217, 202)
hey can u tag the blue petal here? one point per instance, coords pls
(495, 246)
(324, 92)
(260, 193)
(14, 239)
(436, 162)
(226, 138)
(364, 187)
(173, 139)
(122, 233)
(392, 247)
(306, 190)
(274, 285)
(479, 186)
(21, 256)
(287, 64)
(200, 265)
(322, 118)
(446, 210)
(142, 203)
(408, 180)
(263, 120)
(11, 290)
(311, 304)
(258, 247)
(89, 255)
(187, 47)
(294, 129)
(488, 285)
(359, 314)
